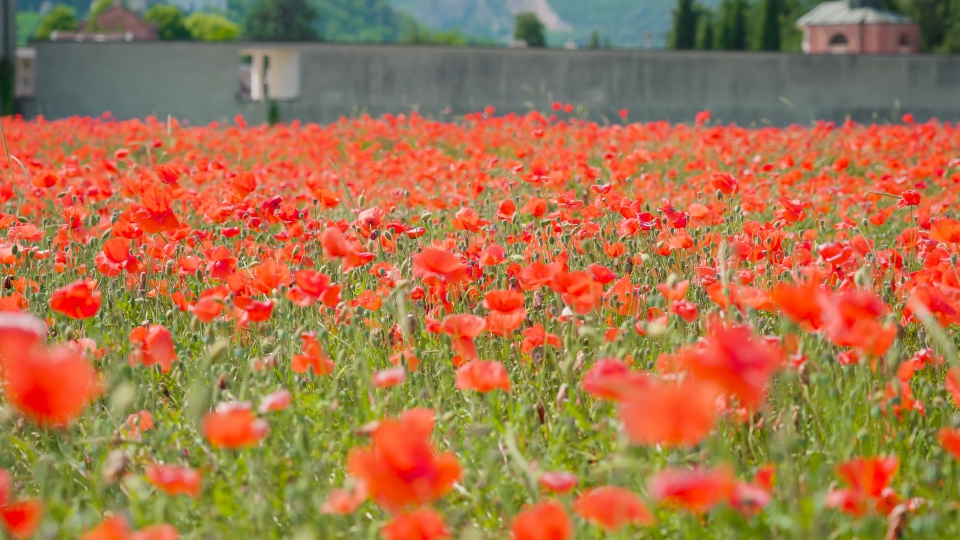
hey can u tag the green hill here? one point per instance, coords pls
(623, 23)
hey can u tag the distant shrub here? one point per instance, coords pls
(60, 18)
(169, 20)
(211, 27)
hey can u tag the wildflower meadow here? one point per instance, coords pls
(527, 327)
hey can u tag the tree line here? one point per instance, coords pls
(770, 25)
(367, 21)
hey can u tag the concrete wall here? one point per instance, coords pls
(200, 82)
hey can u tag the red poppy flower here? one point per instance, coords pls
(233, 425)
(558, 481)
(869, 481)
(155, 346)
(669, 413)
(45, 179)
(313, 357)
(696, 490)
(612, 507)
(155, 215)
(114, 258)
(345, 502)
(390, 377)
(735, 359)
(506, 311)
(21, 519)
(312, 286)
(613, 379)
(945, 230)
(462, 329)
(20, 334)
(950, 440)
(78, 300)
(276, 401)
(435, 266)
(851, 320)
(175, 480)
(421, 524)
(112, 528)
(254, 310)
(117, 528)
(401, 468)
(483, 376)
(536, 275)
(207, 309)
(546, 520)
(50, 388)
(952, 383)
(536, 337)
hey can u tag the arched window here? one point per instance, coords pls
(838, 43)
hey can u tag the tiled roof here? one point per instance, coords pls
(833, 13)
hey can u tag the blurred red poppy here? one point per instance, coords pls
(612, 507)
(233, 425)
(78, 300)
(546, 520)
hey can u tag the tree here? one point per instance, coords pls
(936, 19)
(770, 25)
(96, 9)
(281, 20)
(733, 25)
(684, 35)
(705, 37)
(594, 40)
(211, 27)
(530, 29)
(951, 42)
(169, 21)
(60, 18)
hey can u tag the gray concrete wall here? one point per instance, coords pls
(199, 82)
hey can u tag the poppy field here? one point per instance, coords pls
(509, 326)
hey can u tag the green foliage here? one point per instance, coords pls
(273, 115)
(59, 18)
(418, 35)
(685, 17)
(951, 40)
(169, 20)
(97, 7)
(733, 25)
(937, 20)
(360, 21)
(705, 35)
(281, 20)
(27, 23)
(528, 28)
(594, 40)
(770, 25)
(211, 27)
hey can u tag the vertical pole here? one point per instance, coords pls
(8, 54)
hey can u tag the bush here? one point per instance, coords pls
(211, 27)
(169, 21)
(60, 18)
